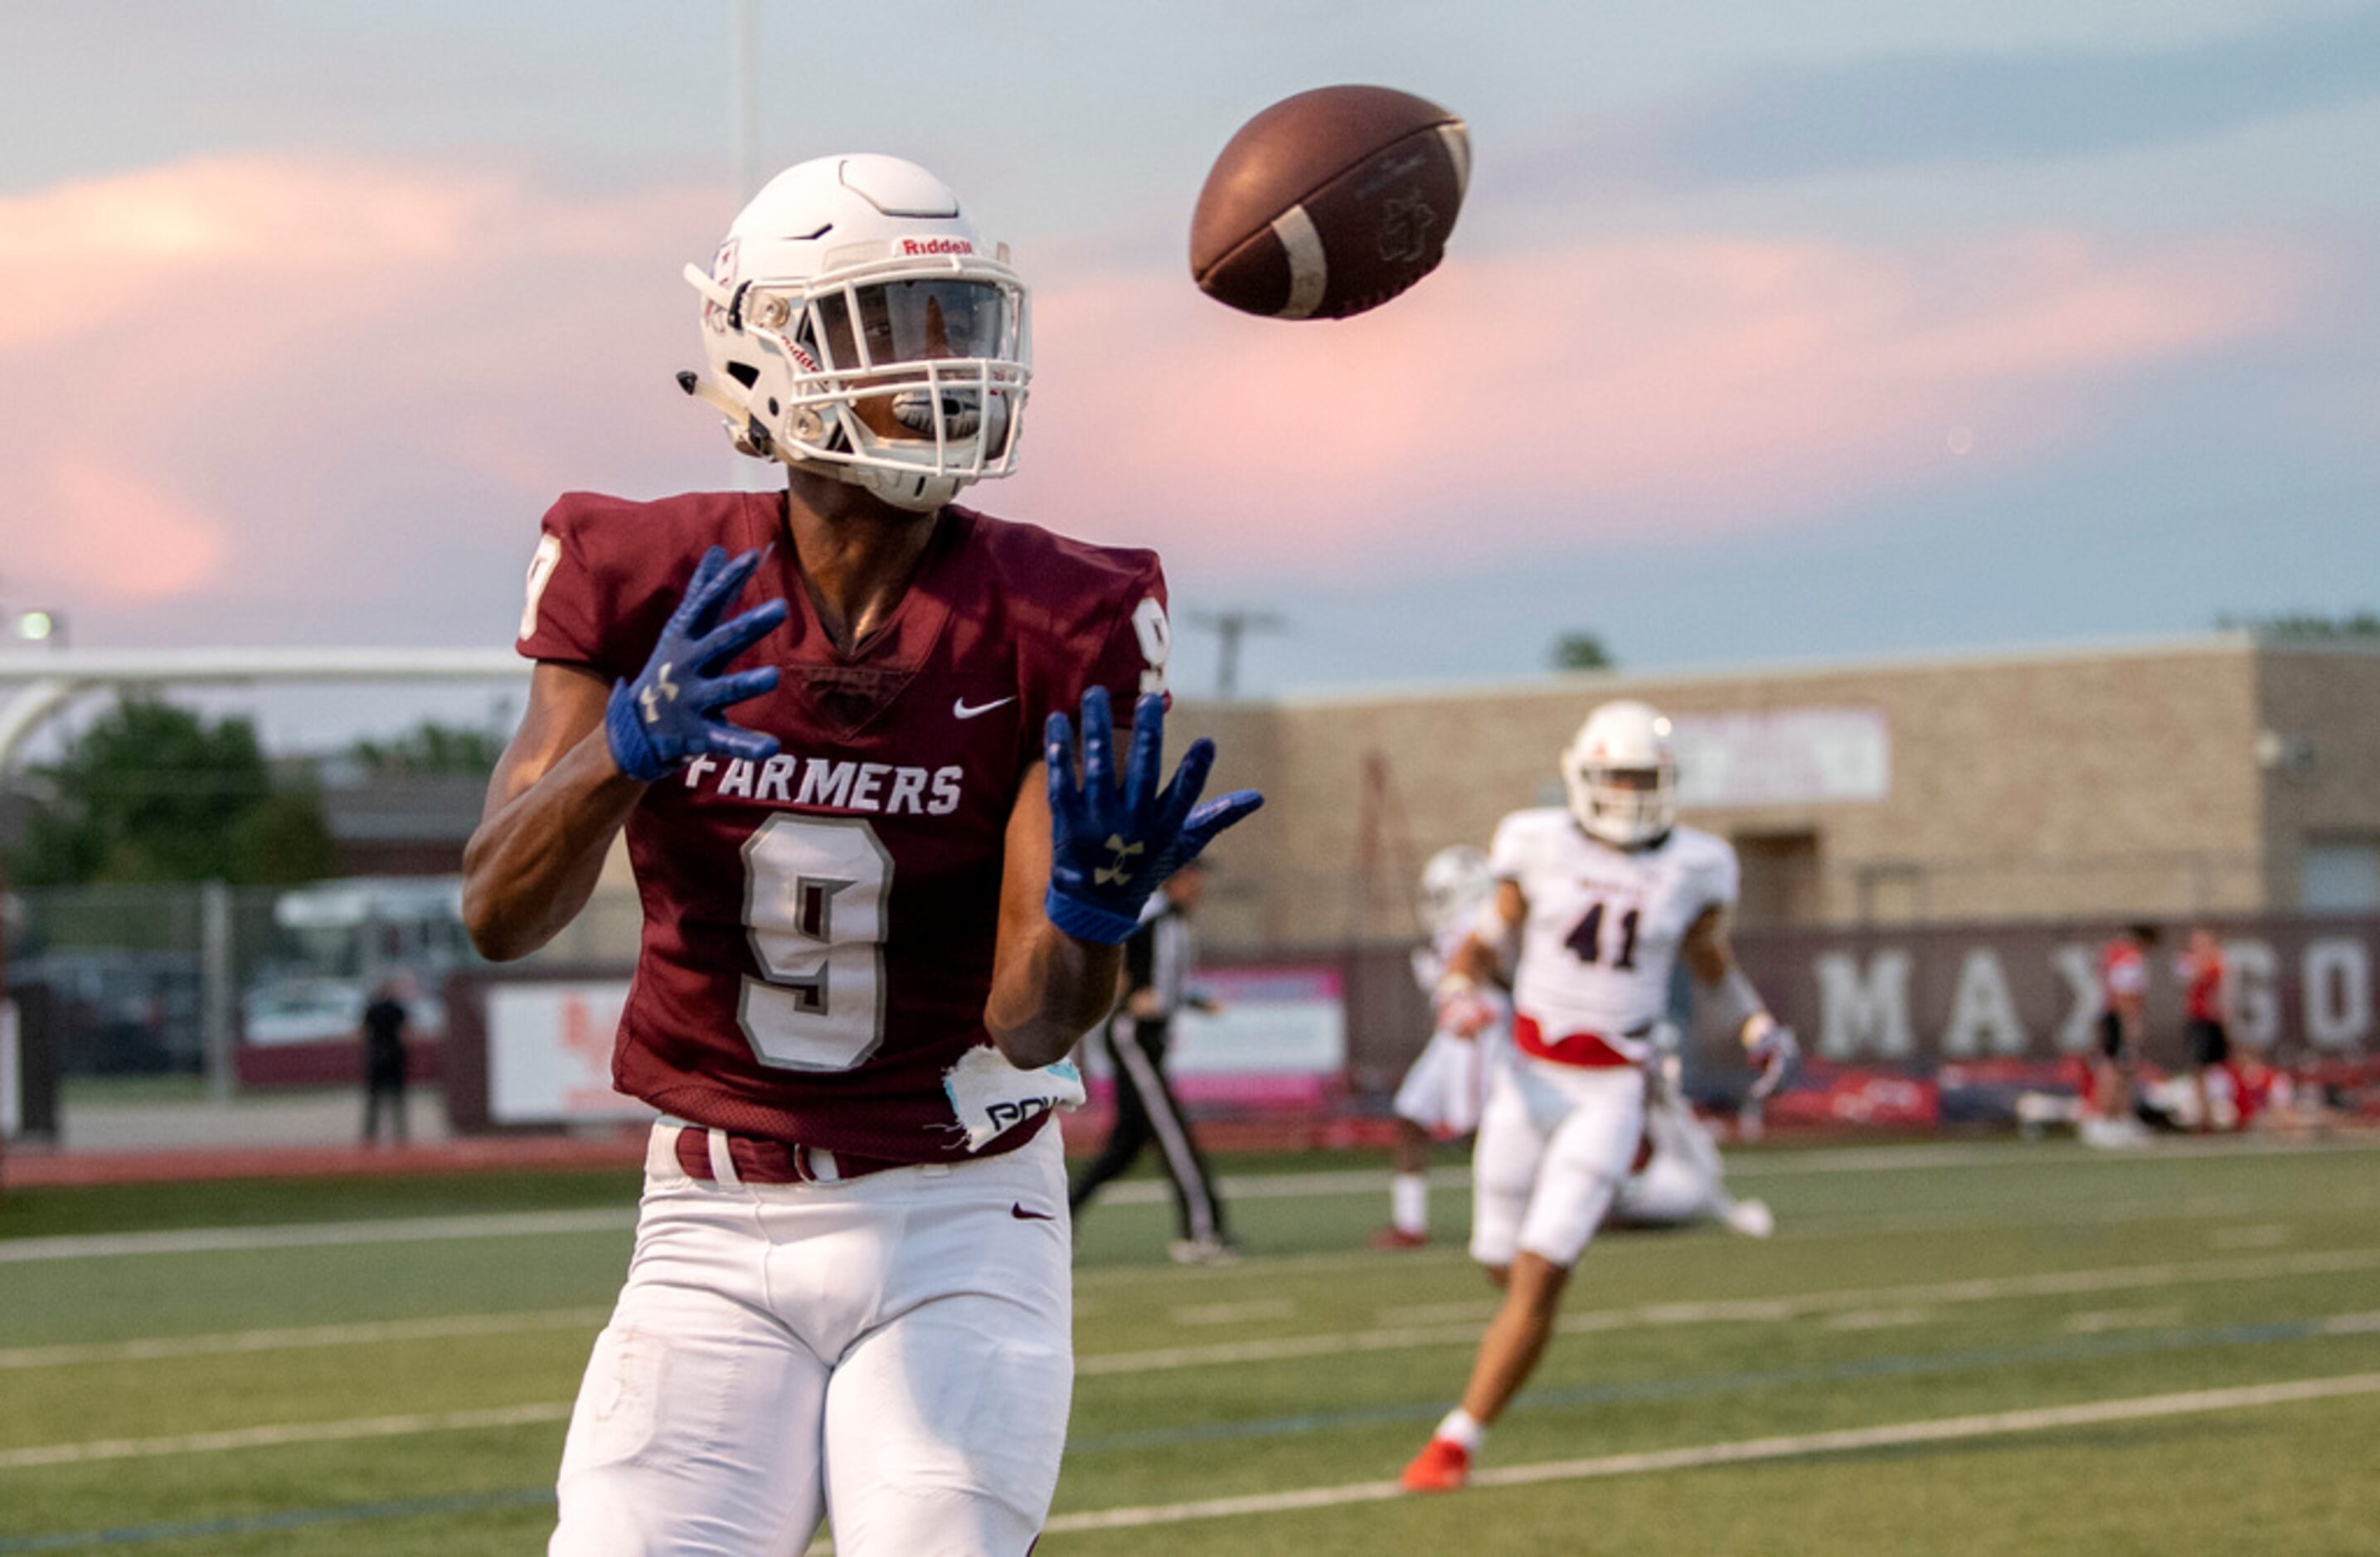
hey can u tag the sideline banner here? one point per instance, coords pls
(550, 1054)
(1977, 994)
(1277, 1041)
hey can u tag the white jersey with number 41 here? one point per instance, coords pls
(1605, 924)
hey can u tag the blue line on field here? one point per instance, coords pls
(2079, 1349)
(285, 1519)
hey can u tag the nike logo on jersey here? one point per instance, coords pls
(962, 709)
(1018, 1211)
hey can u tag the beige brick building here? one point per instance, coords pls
(2211, 775)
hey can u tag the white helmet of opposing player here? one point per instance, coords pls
(1621, 775)
(1453, 884)
(855, 322)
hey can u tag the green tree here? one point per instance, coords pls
(432, 750)
(151, 792)
(2356, 626)
(284, 841)
(1581, 651)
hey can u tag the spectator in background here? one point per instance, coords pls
(385, 1067)
(2200, 968)
(1157, 962)
(2123, 1024)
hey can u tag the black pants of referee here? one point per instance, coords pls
(1146, 1112)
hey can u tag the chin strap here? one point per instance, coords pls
(918, 492)
(753, 438)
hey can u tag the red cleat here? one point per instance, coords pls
(1442, 1467)
(1397, 1238)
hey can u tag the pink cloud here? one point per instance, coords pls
(321, 398)
(327, 375)
(1599, 391)
(130, 539)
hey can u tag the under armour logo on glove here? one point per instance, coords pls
(1115, 874)
(1099, 828)
(663, 718)
(661, 687)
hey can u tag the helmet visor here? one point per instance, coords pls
(922, 321)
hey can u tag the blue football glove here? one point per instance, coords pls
(1110, 847)
(665, 717)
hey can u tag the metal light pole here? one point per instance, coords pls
(744, 94)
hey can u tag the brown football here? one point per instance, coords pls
(1329, 202)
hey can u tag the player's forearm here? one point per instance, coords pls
(1047, 997)
(1473, 961)
(533, 862)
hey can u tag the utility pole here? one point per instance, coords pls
(746, 90)
(1231, 627)
(744, 95)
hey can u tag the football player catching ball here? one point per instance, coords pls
(884, 889)
(1595, 904)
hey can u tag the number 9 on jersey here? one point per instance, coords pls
(815, 890)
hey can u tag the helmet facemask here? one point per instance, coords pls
(904, 377)
(1621, 779)
(854, 323)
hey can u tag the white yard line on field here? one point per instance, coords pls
(1252, 1187)
(297, 1337)
(1855, 1320)
(1957, 1155)
(2259, 1235)
(1796, 1230)
(1894, 1435)
(1399, 1329)
(2051, 1284)
(1233, 1313)
(281, 1434)
(319, 1235)
(2101, 1321)
(284, 1434)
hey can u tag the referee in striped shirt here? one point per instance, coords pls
(1157, 963)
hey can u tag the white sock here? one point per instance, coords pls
(1409, 1203)
(1461, 1426)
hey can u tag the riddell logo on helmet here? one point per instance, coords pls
(936, 246)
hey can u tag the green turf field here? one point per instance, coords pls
(384, 1366)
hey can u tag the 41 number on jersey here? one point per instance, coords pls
(1587, 939)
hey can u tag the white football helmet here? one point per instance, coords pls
(854, 321)
(1621, 775)
(1453, 884)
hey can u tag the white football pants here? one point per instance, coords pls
(1555, 1145)
(1684, 1182)
(1448, 1083)
(895, 1351)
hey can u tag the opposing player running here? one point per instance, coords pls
(1441, 1094)
(1594, 906)
(879, 902)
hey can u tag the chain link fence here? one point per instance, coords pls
(216, 980)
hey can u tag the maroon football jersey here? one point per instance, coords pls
(819, 927)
